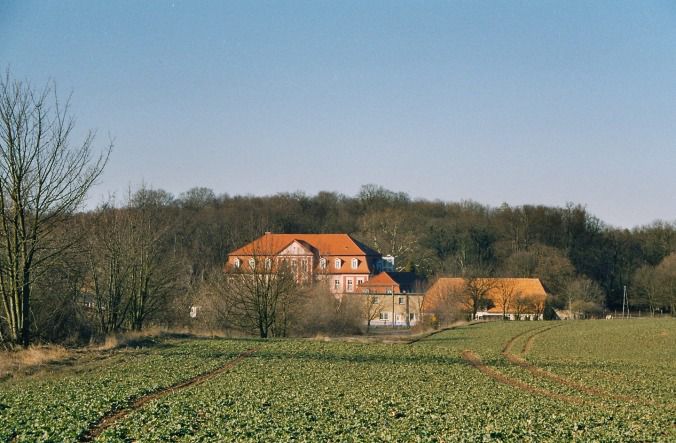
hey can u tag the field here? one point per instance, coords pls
(503, 381)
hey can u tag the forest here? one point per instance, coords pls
(150, 257)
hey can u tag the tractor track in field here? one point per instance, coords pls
(113, 417)
(528, 345)
(473, 359)
(543, 373)
(510, 343)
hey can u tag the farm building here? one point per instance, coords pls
(394, 298)
(498, 298)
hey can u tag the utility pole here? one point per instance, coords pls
(408, 312)
(393, 314)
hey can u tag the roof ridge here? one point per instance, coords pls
(364, 248)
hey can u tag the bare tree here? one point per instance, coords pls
(522, 304)
(583, 296)
(133, 271)
(371, 308)
(647, 288)
(506, 292)
(548, 264)
(108, 278)
(257, 293)
(389, 231)
(42, 180)
(155, 269)
(442, 307)
(476, 289)
(666, 276)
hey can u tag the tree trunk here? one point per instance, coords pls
(26, 325)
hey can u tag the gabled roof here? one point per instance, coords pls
(382, 279)
(326, 245)
(524, 286)
(529, 288)
(402, 281)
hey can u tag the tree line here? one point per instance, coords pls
(146, 258)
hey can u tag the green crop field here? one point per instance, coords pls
(503, 381)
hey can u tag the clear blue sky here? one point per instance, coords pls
(518, 102)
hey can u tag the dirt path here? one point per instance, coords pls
(539, 330)
(114, 416)
(529, 342)
(427, 335)
(476, 361)
(543, 373)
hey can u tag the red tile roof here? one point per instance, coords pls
(325, 244)
(529, 288)
(399, 281)
(382, 279)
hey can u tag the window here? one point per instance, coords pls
(322, 263)
(252, 263)
(401, 300)
(338, 263)
(389, 291)
(238, 263)
(384, 316)
(303, 265)
(349, 285)
(360, 281)
(355, 263)
(268, 264)
(411, 316)
(336, 284)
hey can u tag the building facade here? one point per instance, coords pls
(341, 261)
(394, 299)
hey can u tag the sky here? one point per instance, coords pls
(517, 102)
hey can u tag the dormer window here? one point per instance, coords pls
(237, 263)
(322, 263)
(252, 263)
(355, 263)
(338, 263)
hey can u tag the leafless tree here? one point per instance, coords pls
(443, 306)
(257, 293)
(371, 307)
(666, 276)
(476, 289)
(521, 304)
(108, 242)
(506, 292)
(316, 310)
(43, 179)
(647, 288)
(156, 272)
(132, 269)
(389, 231)
(583, 296)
